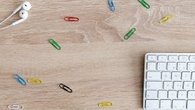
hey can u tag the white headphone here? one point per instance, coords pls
(23, 14)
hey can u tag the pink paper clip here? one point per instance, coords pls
(71, 19)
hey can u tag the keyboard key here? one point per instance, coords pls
(179, 104)
(191, 66)
(152, 58)
(173, 58)
(194, 85)
(181, 66)
(166, 75)
(186, 76)
(172, 94)
(190, 104)
(151, 94)
(171, 66)
(152, 104)
(193, 75)
(161, 66)
(178, 85)
(168, 85)
(191, 94)
(165, 104)
(176, 76)
(162, 58)
(154, 85)
(153, 76)
(183, 58)
(162, 94)
(188, 85)
(182, 94)
(192, 58)
(151, 66)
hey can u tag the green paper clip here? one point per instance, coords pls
(144, 3)
(55, 44)
(130, 33)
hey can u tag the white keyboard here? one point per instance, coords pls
(169, 81)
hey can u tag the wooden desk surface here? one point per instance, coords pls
(94, 61)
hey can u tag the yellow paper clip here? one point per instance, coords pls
(166, 19)
(105, 104)
(34, 81)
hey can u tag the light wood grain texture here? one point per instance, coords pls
(94, 61)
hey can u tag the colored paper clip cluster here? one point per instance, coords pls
(144, 3)
(15, 107)
(166, 19)
(66, 88)
(20, 80)
(105, 104)
(71, 19)
(130, 33)
(111, 5)
(55, 44)
(34, 81)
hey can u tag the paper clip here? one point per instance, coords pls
(55, 44)
(71, 19)
(130, 33)
(144, 3)
(66, 88)
(165, 19)
(20, 80)
(34, 81)
(111, 5)
(105, 104)
(15, 107)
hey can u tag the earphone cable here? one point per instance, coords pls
(6, 18)
(5, 27)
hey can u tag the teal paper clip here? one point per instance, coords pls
(130, 33)
(20, 80)
(55, 44)
(111, 5)
(144, 3)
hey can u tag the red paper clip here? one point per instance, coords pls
(71, 19)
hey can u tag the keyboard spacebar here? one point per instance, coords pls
(154, 85)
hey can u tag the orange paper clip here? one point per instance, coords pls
(71, 19)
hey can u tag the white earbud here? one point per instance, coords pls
(23, 15)
(23, 8)
(26, 6)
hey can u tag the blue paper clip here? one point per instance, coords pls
(111, 5)
(20, 80)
